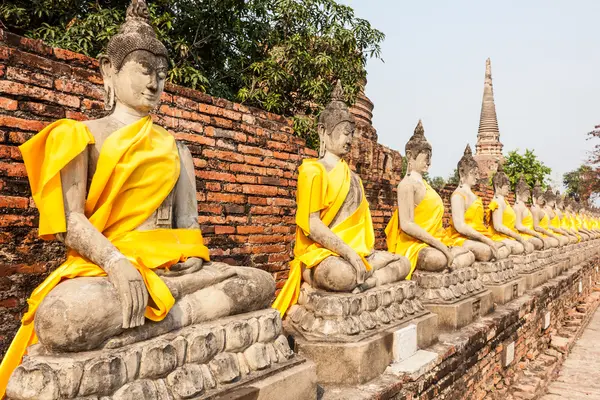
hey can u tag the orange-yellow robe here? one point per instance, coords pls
(428, 215)
(324, 192)
(137, 168)
(473, 217)
(509, 218)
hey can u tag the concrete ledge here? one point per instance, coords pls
(504, 293)
(457, 315)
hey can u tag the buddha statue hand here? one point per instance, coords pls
(131, 289)
(359, 266)
(189, 266)
(450, 259)
(495, 247)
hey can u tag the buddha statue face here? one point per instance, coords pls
(418, 151)
(522, 190)
(468, 170)
(139, 82)
(501, 182)
(339, 140)
(336, 125)
(135, 65)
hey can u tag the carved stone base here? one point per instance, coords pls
(436, 287)
(347, 317)
(200, 361)
(452, 316)
(535, 279)
(508, 291)
(350, 336)
(496, 272)
(352, 363)
(526, 264)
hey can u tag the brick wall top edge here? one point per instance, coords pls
(79, 60)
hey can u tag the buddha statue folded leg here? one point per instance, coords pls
(433, 260)
(69, 319)
(483, 252)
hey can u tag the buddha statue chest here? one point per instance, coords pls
(351, 202)
(161, 218)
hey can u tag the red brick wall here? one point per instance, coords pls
(246, 162)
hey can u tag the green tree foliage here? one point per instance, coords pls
(454, 179)
(280, 55)
(528, 165)
(581, 183)
(437, 183)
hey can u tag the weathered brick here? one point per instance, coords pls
(20, 123)
(19, 89)
(83, 88)
(8, 104)
(42, 109)
(75, 58)
(218, 197)
(26, 76)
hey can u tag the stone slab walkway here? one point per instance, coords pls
(579, 377)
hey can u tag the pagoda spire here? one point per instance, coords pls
(488, 150)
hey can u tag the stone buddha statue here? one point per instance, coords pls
(549, 199)
(502, 217)
(570, 219)
(467, 228)
(415, 230)
(541, 221)
(334, 247)
(524, 217)
(120, 193)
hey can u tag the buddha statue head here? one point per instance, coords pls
(418, 151)
(468, 170)
(561, 202)
(522, 190)
(135, 65)
(549, 197)
(336, 125)
(537, 196)
(501, 182)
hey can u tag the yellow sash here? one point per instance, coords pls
(527, 222)
(326, 192)
(509, 218)
(137, 168)
(473, 218)
(555, 222)
(428, 215)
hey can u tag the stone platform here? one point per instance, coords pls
(531, 268)
(203, 361)
(501, 278)
(457, 297)
(351, 336)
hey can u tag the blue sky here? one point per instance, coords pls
(545, 67)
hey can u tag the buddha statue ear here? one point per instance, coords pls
(107, 71)
(322, 137)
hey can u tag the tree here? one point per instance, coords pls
(527, 164)
(454, 179)
(581, 183)
(437, 183)
(280, 55)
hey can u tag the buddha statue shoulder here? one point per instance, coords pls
(334, 247)
(541, 221)
(502, 217)
(467, 228)
(524, 216)
(120, 193)
(415, 230)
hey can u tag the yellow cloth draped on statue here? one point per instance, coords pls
(319, 190)
(473, 217)
(545, 224)
(555, 222)
(509, 218)
(527, 222)
(137, 168)
(428, 215)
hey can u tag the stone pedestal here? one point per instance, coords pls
(350, 337)
(203, 361)
(458, 297)
(531, 268)
(501, 278)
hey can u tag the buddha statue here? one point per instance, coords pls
(541, 221)
(120, 193)
(415, 230)
(466, 227)
(549, 199)
(524, 217)
(502, 217)
(571, 219)
(334, 247)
